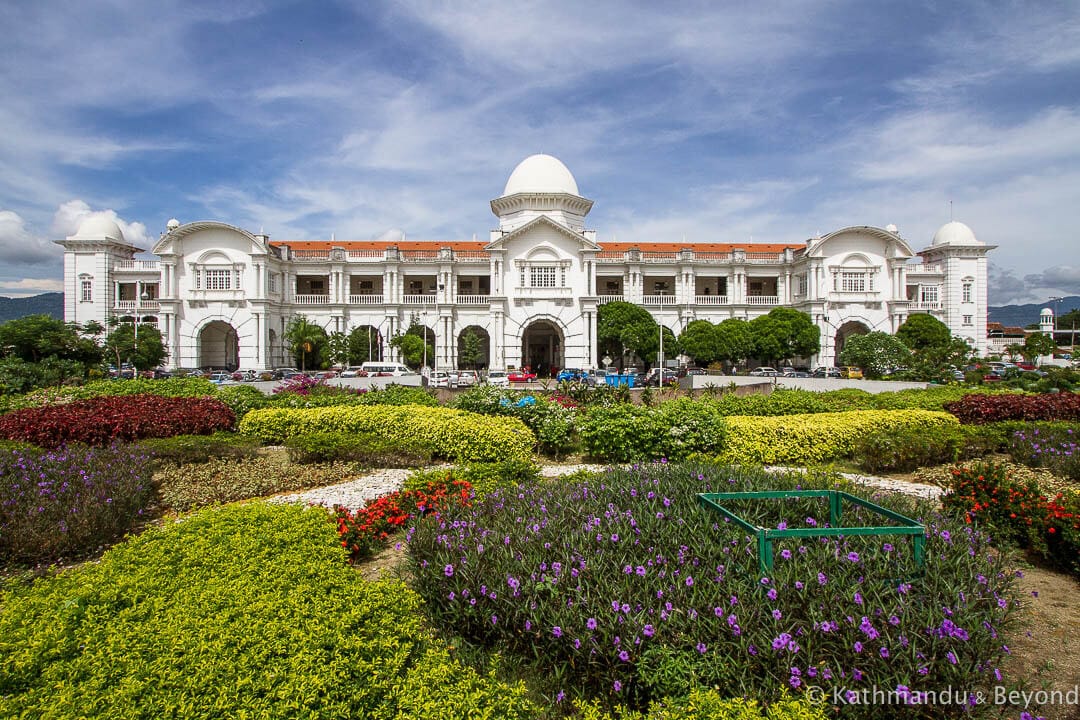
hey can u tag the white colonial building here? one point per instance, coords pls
(222, 296)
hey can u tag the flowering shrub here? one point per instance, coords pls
(1055, 447)
(101, 420)
(366, 530)
(484, 477)
(985, 493)
(551, 420)
(624, 585)
(301, 391)
(69, 502)
(243, 611)
(977, 409)
(707, 704)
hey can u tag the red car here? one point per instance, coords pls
(521, 376)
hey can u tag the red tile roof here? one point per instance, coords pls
(480, 245)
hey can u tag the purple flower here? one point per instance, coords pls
(771, 594)
(648, 631)
(591, 623)
(624, 656)
(560, 697)
(556, 631)
(494, 619)
(884, 652)
(811, 522)
(777, 614)
(952, 657)
(858, 598)
(822, 579)
(701, 648)
(786, 554)
(858, 646)
(689, 581)
(641, 570)
(617, 686)
(448, 570)
(853, 557)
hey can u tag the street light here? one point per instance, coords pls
(435, 350)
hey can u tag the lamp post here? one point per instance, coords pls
(435, 350)
(1056, 299)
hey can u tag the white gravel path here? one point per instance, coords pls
(354, 493)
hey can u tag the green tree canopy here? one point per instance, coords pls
(363, 345)
(921, 331)
(36, 337)
(699, 340)
(734, 341)
(1036, 345)
(337, 348)
(784, 333)
(877, 353)
(307, 341)
(144, 350)
(471, 352)
(622, 326)
(413, 349)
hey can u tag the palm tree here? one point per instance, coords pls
(305, 338)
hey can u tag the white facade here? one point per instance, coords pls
(223, 296)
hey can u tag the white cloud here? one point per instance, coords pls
(18, 246)
(71, 214)
(28, 287)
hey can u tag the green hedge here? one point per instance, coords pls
(451, 434)
(808, 439)
(676, 429)
(246, 611)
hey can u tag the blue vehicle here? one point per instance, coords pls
(570, 375)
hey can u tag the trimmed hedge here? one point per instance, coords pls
(450, 434)
(246, 611)
(676, 429)
(809, 439)
(102, 420)
(978, 409)
(374, 450)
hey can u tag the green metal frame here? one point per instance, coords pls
(765, 536)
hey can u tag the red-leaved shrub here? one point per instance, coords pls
(102, 420)
(976, 409)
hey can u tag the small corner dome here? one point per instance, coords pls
(541, 174)
(99, 226)
(955, 233)
(173, 224)
(1046, 312)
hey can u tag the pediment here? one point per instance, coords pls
(532, 226)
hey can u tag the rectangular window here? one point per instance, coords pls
(967, 292)
(218, 279)
(968, 320)
(852, 282)
(928, 294)
(542, 277)
(272, 282)
(87, 291)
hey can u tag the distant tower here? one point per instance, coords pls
(1046, 321)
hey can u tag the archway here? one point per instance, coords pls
(219, 346)
(473, 348)
(542, 347)
(365, 343)
(849, 329)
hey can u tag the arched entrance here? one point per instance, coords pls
(849, 329)
(365, 343)
(473, 348)
(542, 347)
(219, 346)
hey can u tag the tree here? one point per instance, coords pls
(784, 333)
(921, 331)
(36, 337)
(363, 344)
(622, 326)
(877, 353)
(307, 341)
(413, 349)
(699, 341)
(337, 348)
(938, 363)
(144, 350)
(1037, 345)
(734, 341)
(471, 352)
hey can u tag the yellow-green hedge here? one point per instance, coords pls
(452, 434)
(820, 437)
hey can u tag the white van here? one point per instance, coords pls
(386, 369)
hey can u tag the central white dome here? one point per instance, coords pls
(99, 226)
(954, 233)
(541, 174)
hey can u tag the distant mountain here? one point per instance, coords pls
(44, 304)
(1024, 315)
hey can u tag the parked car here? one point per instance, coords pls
(222, 378)
(467, 378)
(498, 378)
(851, 373)
(652, 379)
(353, 371)
(764, 372)
(570, 374)
(521, 376)
(826, 372)
(440, 378)
(245, 376)
(269, 375)
(692, 371)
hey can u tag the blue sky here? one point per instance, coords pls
(703, 121)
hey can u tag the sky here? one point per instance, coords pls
(690, 121)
